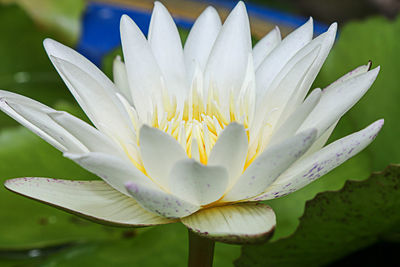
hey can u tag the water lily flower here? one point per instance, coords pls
(200, 134)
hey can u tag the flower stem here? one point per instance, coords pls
(201, 251)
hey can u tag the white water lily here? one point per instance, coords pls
(199, 134)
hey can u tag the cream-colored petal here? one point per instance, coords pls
(94, 200)
(236, 224)
(198, 183)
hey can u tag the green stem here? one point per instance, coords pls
(201, 251)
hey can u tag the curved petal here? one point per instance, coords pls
(236, 224)
(265, 46)
(159, 153)
(230, 150)
(269, 165)
(198, 183)
(337, 100)
(166, 45)
(160, 202)
(120, 76)
(200, 41)
(311, 168)
(226, 66)
(94, 200)
(113, 170)
(144, 74)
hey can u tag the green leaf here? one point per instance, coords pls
(24, 66)
(61, 17)
(335, 224)
(378, 40)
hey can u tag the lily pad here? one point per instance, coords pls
(336, 224)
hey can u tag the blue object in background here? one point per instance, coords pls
(100, 25)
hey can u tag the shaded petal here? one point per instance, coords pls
(311, 168)
(121, 78)
(230, 150)
(94, 200)
(160, 202)
(200, 41)
(269, 165)
(166, 45)
(159, 153)
(113, 170)
(236, 224)
(226, 66)
(263, 47)
(198, 183)
(144, 74)
(337, 100)
(277, 59)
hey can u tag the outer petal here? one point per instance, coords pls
(160, 202)
(115, 171)
(311, 168)
(237, 224)
(277, 59)
(166, 45)
(120, 76)
(94, 200)
(160, 152)
(144, 74)
(198, 183)
(269, 165)
(263, 47)
(230, 150)
(337, 100)
(226, 66)
(200, 41)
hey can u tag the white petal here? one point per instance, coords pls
(351, 74)
(94, 200)
(144, 75)
(160, 202)
(236, 224)
(159, 153)
(198, 183)
(265, 46)
(277, 59)
(34, 116)
(230, 150)
(90, 137)
(226, 66)
(113, 170)
(290, 126)
(166, 45)
(269, 165)
(337, 100)
(121, 78)
(200, 40)
(311, 168)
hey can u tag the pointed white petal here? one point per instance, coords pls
(94, 200)
(198, 183)
(144, 75)
(277, 59)
(121, 78)
(166, 45)
(265, 46)
(230, 150)
(236, 224)
(290, 126)
(113, 170)
(311, 168)
(200, 40)
(90, 137)
(351, 74)
(336, 100)
(226, 66)
(159, 153)
(160, 202)
(269, 165)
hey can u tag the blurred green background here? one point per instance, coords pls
(361, 218)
